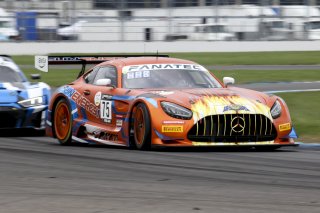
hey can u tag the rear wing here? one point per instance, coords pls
(42, 62)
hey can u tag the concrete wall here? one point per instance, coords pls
(33, 48)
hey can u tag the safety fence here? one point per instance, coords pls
(194, 20)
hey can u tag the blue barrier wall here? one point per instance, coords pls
(27, 25)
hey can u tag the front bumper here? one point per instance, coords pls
(182, 140)
(13, 116)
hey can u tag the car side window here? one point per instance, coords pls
(89, 78)
(109, 72)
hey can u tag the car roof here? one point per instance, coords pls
(145, 60)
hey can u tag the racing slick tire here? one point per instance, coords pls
(142, 127)
(62, 122)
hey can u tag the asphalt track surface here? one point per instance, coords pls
(38, 175)
(278, 87)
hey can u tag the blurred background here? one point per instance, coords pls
(159, 20)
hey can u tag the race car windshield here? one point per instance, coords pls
(168, 78)
(9, 75)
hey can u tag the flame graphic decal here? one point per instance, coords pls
(214, 105)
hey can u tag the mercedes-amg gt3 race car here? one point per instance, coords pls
(22, 104)
(148, 101)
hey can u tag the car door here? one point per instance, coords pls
(107, 110)
(100, 96)
(103, 94)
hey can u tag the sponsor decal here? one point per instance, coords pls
(101, 134)
(64, 58)
(106, 97)
(106, 108)
(77, 58)
(85, 103)
(119, 123)
(106, 136)
(138, 74)
(98, 58)
(135, 68)
(173, 122)
(106, 111)
(97, 98)
(68, 91)
(172, 128)
(235, 107)
(162, 93)
(284, 127)
(41, 63)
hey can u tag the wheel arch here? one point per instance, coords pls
(130, 121)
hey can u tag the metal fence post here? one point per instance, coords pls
(170, 5)
(123, 4)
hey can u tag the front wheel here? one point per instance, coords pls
(141, 127)
(62, 122)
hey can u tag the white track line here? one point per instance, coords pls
(296, 90)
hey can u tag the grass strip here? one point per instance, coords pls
(60, 77)
(304, 109)
(252, 58)
(54, 78)
(236, 58)
(256, 76)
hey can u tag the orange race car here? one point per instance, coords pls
(144, 101)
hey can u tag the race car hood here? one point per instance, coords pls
(14, 92)
(204, 102)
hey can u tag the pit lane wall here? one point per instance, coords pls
(33, 48)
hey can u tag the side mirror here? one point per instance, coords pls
(228, 81)
(35, 76)
(104, 82)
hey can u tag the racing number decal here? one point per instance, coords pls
(106, 110)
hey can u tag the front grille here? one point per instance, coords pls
(35, 119)
(8, 120)
(10, 117)
(233, 128)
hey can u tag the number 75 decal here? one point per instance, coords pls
(106, 109)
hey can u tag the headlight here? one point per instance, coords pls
(276, 109)
(176, 111)
(32, 102)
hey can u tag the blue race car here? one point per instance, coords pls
(23, 104)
